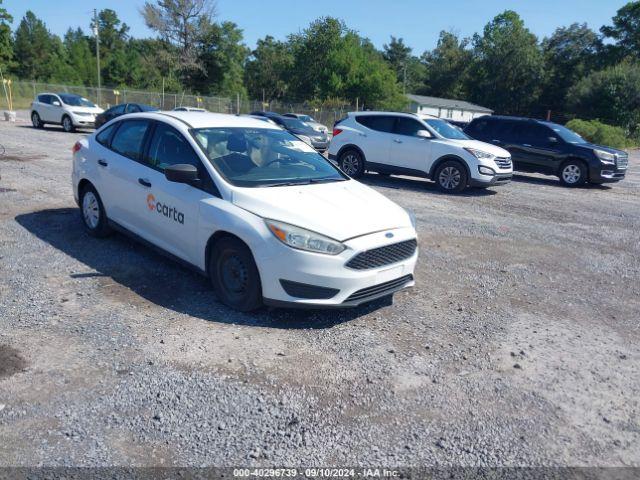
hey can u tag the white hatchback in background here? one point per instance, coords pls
(66, 109)
(421, 146)
(248, 204)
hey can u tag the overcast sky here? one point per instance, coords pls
(417, 21)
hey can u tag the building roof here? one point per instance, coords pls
(447, 103)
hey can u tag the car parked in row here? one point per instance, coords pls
(121, 109)
(306, 133)
(66, 109)
(247, 204)
(552, 149)
(309, 120)
(421, 146)
(189, 109)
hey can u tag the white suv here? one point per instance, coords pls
(421, 146)
(66, 109)
(247, 204)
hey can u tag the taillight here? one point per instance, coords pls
(76, 147)
(336, 131)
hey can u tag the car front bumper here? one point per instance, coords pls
(607, 174)
(491, 180)
(287, 280)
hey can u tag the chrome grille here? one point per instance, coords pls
(622, 161)
(503, 162)
(381, 256)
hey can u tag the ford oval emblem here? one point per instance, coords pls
(388, 235)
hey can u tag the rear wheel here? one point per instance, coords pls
(234, 275)
(352, 163)
(573, 173)
(35, 120)
(94, 216)
(451, 176)
(67, 124)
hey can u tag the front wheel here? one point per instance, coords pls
(451, 177)
(67, 124)
(234, 275)
(573, 173)
(352, 163)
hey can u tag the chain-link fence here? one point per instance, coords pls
(24, 92)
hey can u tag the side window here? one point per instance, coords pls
(169, 147)
(54, 99)
(380, 123)
(479, 127)
(408, 126)
(132, 108)
(539, 134)
(43, 99)
(103, 137)
(129, 138)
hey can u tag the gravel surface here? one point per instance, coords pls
(519, 344)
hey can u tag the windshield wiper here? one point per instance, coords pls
(327, 180)
(288, 184)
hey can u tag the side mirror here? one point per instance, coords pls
(553, 139)
(424, 134)
(56, 103)
(181, 173)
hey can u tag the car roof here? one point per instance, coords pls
(203, 119)
(399, 114)
(507, 117)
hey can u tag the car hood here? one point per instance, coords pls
(94, 110)
(340, 210)
(485, 147)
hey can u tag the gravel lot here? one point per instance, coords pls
(518, 346)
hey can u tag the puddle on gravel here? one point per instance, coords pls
(11, 362)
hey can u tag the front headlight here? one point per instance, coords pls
(605, 157)
(296, 237)
(479, 154)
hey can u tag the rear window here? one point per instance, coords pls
(103, 137)
(380, 123)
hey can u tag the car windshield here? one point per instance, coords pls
(305, 118)
(446, 130)
(76, 101)
(567, 135)
(294, 124)
(264, 157)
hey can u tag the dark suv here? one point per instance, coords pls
(546, 147)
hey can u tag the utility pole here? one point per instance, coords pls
(404, 78)
(96, 32)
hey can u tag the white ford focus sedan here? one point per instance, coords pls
(268, 219)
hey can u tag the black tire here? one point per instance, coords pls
(351, 162)
(234, 275)
(96, 225)
(36, 121)
(67, 124)
(451, 176)
(573, 173)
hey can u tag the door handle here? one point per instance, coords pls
(397, 141)
(102, 162)
(362, 134)
(144, 182)
(526, 145)
(495, 141)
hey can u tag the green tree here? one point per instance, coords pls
(409, 70)
(79, 56)
(611, 95)
(625, 30)
(267, 70)
(569, 55)
(447, 67)
(114, 36)
(6, 40)
(32, 48)
(331, 61)
(221, 55)
(508, 66)
(179, 23)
